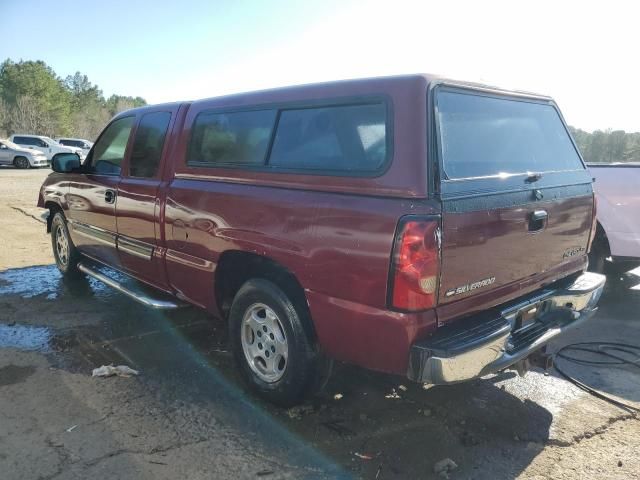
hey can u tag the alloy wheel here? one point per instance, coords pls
(62, 246)
(264, 343)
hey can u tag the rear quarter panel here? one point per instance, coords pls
(337, 246)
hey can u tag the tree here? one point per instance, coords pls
(82, 91)
(616, 144)
(25, 115)
(46, 94)
(89, 113)
(119, 103)
(607, 146)
(4, 115)
(33, 99)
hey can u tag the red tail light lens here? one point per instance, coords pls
(415, 265)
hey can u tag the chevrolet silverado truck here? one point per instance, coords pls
(414, 225)
(617, 236)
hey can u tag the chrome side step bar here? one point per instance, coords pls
(137, 296)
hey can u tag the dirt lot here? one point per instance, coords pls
(188, 416)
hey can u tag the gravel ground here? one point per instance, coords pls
(188, 416)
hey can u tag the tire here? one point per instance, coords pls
(271, 344)
(21, 162)
(64, 251)
(597, 258)
(599, 252)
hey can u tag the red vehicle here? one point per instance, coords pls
(413, 225)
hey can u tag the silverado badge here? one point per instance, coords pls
(469, 287)
(573, 251)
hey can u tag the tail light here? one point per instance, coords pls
(415, 267)
(594, 223)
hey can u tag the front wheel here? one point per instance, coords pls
(21, 162)
(64, 251)
(271, 344)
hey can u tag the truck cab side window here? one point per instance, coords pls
(231, 138)
(148, 144)
(108, 152)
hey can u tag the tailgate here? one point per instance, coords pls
(517, 200)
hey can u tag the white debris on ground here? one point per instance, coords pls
(110, 371)
(393, 394)
(364, 456)
(444, 467)
(337, 396)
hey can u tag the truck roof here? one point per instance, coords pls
(339, 88)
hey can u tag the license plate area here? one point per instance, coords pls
(528, 315)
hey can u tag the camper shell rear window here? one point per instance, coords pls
(482, 135)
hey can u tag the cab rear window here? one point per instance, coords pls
(484, 136)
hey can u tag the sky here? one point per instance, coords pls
(584, 54)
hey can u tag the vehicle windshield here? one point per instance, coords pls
(487, 136)
(50, 140)
(9, 144)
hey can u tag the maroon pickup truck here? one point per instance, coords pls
(415, 225)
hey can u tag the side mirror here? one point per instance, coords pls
(65, 162)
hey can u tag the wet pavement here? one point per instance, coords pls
(189, 397)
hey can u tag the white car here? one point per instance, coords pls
(618, 228)
(21, 157)
(85, 145)
(46, 145)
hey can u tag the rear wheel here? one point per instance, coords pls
(271, 344)
(21, 162)
(599, 252)
(64, 251)
(597, 258)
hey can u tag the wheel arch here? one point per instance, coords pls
(601, 238)
(235, 267)
(53, 207)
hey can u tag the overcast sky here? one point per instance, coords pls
(584, 54)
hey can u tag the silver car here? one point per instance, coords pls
(21, 157)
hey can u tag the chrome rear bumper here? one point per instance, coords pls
(499, 338)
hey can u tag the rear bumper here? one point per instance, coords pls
(497, 339)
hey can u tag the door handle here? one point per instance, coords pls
(110, 196)
(538, 220)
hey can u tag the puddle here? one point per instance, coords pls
(25, 337)
(47, 281)
(30, 282)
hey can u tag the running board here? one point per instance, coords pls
(137, 296)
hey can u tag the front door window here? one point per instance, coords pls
(109, 151)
